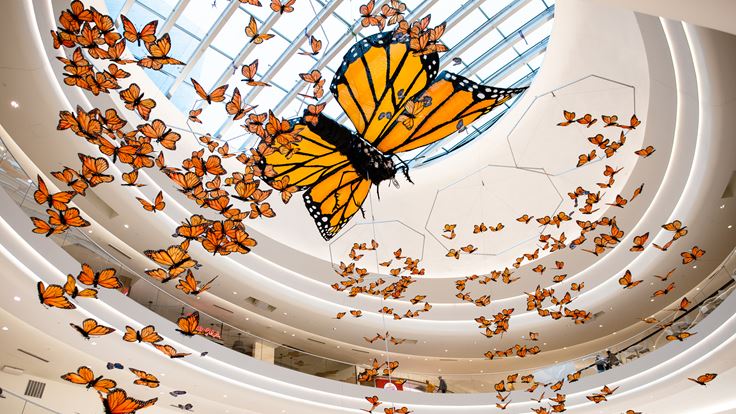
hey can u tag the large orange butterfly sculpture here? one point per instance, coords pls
(395, 108)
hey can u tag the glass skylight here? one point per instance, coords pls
(498, 42)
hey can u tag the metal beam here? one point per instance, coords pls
(502, 46)
(326, 58)
(294, 46)
(126, 7)
(173, 17)
(203, 45)
(487, 26)
(519, 61)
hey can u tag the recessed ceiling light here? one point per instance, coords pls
(293, 334)
(614, 333)
(651, 300)
(426, 359)
(338, 346)
(126, 226)
(564, 347)
(695, 266)
(730, 226)
(284, 331)
(723, 206)
(16, 298)
(93, 343)
(235, 293)
(284, 313)
(697, 288)
(14, 104)
(445, 350)
(5, 328)
(224, 396)
(544, 343)
(600, 326)
(89, 231)
(247, 319)
(439, 369)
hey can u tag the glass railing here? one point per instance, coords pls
(12, 403)
(20, 187)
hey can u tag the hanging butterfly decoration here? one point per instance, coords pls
(395, 108)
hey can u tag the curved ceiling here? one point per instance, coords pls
(525, 164)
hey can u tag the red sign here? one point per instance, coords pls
(393, 385)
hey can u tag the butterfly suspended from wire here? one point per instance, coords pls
(394, 109)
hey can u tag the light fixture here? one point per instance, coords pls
(284, 313)
(600, 326)
(445, 350)
(338, 346)
(14, 104)
(293, 334)
(16, 298)
(651, 300)
(126, 226)
(247, 319)
(235, 293)
(93, 343)
(224, 396)
(730, 226)
(5, 328)
(695, 266)
(723, 206)
(89, 231)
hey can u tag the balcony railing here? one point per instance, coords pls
(20, 187)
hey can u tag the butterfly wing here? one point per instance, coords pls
(378, 76)
(313, 159)
(448, 105)
(334, 200)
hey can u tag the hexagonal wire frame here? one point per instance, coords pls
(536, 170)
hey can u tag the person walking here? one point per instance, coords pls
(600, 363)
(429, 387)
(443, 385)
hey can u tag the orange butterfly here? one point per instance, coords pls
(131, 33)
(158, 131)
(194, 115)
(118, 402)
(157, 205)
(170, 351)
(105, 278)
(586, 120)
(677, 227)
(235, 106)
(217, 94)
(645, 152)
(610, 120)
(368, 18)
(58, 200)
(633, 123)
(53, 296)
(585, 158)
(190, 285)
(71, 289)
(282, 8)
(158, 54)
(664, 291)
(85, 376)
(569, 118)
(620, 202)
(704, 379)
(71, 178)
(147, 334)
(188, 325)
(680, 336)
(693, 255)
(174, 258)
(130, 179)
(316, 46)
(639, 242)
(249, 72)
(251, 30)
(133, 99)
(93, 169)
(262, 210)
(145, 378)
(90, 328)
(664, 278)
(626, 281)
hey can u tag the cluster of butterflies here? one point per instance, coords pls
(355, 283)
(370, 373)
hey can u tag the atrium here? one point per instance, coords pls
(383, 206)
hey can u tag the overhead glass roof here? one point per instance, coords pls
(495, 42)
